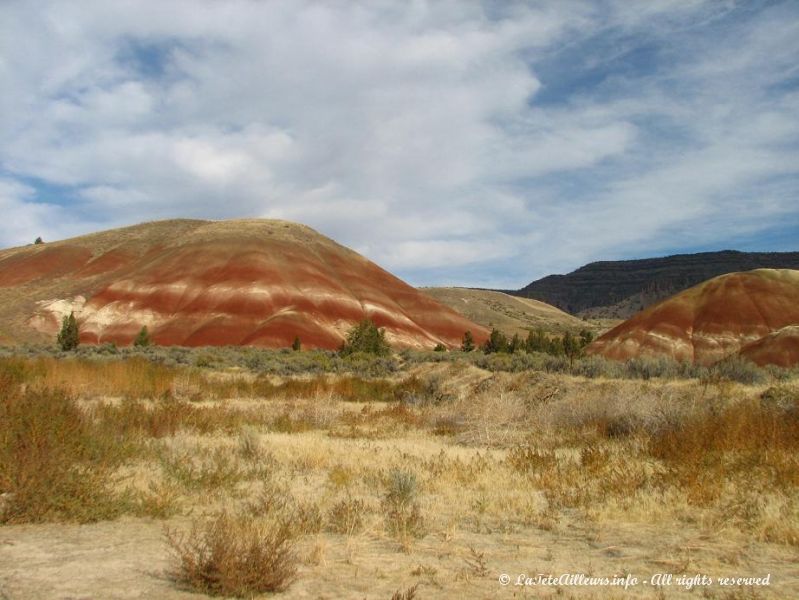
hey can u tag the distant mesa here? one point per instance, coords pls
(754, 313)
(619, 289)
(243, 282)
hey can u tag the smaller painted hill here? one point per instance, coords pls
(780, 348)
(712, 320)
(619, 289)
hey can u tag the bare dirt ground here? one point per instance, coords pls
(128, 559)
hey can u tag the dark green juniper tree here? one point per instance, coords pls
(586, 337)
(366, 337)
(143, 339)
(467, 345)
(68, 337)
(536, 341)
(571, 347)
(496, 342)
(296, 345)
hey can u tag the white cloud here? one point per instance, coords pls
(25, 220)
(410, 131)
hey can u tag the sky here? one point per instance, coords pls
(452, 142)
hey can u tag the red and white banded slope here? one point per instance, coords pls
(715, 319)
(244, 282)
(780, 348)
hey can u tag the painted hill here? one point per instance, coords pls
(509, 314)
(780, 348)
(243, 282)
(619, 289)
(712, 320)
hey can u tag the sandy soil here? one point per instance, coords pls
(128, 559)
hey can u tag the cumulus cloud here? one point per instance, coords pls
(452, 142)
(26, 218)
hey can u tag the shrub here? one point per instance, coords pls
(197, 472)
(55, 462)
(107, 349)
(527, 459)
(367, 365)
(307, 518)
(737, 368)
(250, 444)
(367, 338)
(296, 345)
(14, 371)
(513, 363)
(781, 397)
(346, 516)
(401, 507)
(598, 366)
(229, 556)
(648, 367)
(740, 427)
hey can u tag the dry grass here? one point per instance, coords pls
(139, 378)
(408, 594)
(134, 378)
(449, 456)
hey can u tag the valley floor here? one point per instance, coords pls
(467, 476)
(127, 559)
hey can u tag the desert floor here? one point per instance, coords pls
(467, 476)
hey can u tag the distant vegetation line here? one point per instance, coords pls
(543, 354)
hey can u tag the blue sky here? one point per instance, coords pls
(451, 142)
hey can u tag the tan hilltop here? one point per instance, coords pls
(739, 312)
(509, 314)
(240, 282)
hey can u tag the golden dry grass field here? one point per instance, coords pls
(129, 479)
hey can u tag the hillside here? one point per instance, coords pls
(751, 311)
(243, 282)
(509, 314)
(779, 348)
(619, 289)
